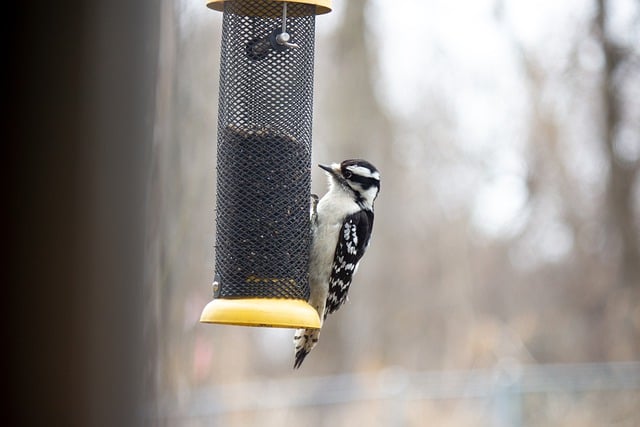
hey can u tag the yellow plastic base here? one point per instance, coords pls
(276, 313)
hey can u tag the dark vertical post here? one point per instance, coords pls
(80, 83)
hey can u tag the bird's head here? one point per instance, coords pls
(357, 177)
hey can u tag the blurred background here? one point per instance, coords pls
(502, 284)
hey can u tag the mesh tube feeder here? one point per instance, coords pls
(263, 231)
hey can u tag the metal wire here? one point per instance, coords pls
(503, 387)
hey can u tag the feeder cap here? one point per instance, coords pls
(322, 6)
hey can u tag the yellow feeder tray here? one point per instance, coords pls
(270, 312)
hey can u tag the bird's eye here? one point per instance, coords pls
(348, 174)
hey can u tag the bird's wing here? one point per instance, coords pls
(352, 243)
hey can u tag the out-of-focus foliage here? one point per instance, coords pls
(508, 225)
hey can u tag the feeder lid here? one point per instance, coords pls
(322, 6)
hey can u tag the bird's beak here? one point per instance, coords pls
(333, 169)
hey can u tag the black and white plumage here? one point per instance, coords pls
(341, 223)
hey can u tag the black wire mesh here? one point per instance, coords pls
(264, 151)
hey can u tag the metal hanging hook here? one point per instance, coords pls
(258, 48)
(284, 37)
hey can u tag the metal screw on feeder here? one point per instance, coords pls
(263, 231)
(283, 37)
(278, 40)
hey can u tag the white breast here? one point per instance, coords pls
(332, 209)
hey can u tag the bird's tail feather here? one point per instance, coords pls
(304, 340)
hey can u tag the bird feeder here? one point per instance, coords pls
(263, 234)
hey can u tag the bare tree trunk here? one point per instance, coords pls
(354, 124)
(621, 174)
(156, 303)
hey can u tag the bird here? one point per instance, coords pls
(341, 226)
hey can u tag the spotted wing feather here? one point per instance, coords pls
(352, 243)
